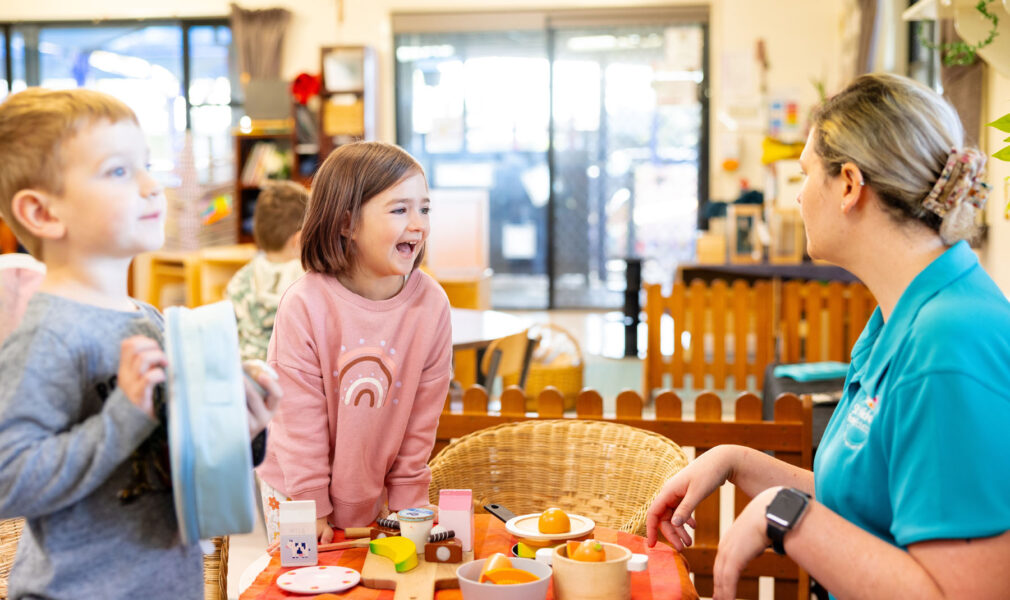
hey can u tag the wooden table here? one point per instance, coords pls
(472, 329)
(475, 330)
(666, 578)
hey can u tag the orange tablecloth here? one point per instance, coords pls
(666, 578)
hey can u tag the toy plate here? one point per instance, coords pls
(528, 527)
(317, 580)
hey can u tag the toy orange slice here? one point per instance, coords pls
(571, 547)
(509, 576)
(496, 561)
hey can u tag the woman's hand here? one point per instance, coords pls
(682, 493)
(324, 533)
(744, 541)
(260, 408)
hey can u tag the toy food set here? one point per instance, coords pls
(504, 579)
(416, 559)
(455, 512)
(546, 530)
(208, 431)
(415, 525)
(317, 580)
(297, 525)
(592, 570)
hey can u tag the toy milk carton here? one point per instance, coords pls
(297, 525)
(455, 512)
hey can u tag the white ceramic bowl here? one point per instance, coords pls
(468, 574)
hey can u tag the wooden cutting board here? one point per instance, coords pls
(418, 583)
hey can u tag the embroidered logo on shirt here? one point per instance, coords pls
(859, 419)
(365, 373)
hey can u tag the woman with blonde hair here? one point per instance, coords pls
(910, 493)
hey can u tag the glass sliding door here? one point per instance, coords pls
(587, 142)
(474, 110)
(627, 132)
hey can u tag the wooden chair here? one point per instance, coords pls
(508, 356)
(605, 471)
(215, 564)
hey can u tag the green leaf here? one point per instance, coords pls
(1002, 123)
(1003, 154)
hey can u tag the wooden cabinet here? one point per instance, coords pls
(259, 157)
(347, 108)
(346, 113)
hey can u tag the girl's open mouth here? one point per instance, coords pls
(406, 248)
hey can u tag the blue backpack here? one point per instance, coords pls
(208, 431)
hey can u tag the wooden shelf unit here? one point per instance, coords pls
(348, 105)
(245, 194)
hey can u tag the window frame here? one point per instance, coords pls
(185, 24)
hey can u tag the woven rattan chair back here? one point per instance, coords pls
(606, 471)
(215, 564)
(10, 533)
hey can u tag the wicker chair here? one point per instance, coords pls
(215, 564)
(606, 471)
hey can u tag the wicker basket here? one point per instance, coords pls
(215, 564)
(606, 471)
(565, 375)
(10, 533)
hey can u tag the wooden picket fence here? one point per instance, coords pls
(788, 435)
(732, 332)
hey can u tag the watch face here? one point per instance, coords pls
(786, 507)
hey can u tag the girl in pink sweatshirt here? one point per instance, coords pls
(363, 346)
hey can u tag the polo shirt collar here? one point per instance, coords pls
(871, 355)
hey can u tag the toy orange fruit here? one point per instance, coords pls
(554, 520)
(508, 576)
(496, 561)
(588, 551)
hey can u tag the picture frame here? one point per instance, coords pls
(343, 69)
(788, 239)
(741, 228)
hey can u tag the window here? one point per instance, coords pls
(583, 134)
(177, 76)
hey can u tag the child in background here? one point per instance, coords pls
(79, 374)
(363, 346)
(256, 288)
(20, 276)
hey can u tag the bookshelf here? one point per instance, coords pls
(259, 156)
(347, 108)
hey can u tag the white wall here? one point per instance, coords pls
(996, 257)
(801, 38)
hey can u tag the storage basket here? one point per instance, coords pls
(549, 367)
(10, 533)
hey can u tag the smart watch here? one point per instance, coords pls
(783, 513)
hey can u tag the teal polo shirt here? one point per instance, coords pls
(919, 445)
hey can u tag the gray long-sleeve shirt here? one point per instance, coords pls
(66, 437)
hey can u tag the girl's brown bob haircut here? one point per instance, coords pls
(350, 176)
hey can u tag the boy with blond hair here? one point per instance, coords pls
(79, 375)
(256, 289)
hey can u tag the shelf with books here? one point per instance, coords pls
(259, 157)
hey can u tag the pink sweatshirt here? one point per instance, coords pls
(20, 276)
(364, 384)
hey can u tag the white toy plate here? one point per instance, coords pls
(318, 580)
(528, 527)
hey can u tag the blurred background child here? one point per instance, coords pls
(363, 346)
(256, 289)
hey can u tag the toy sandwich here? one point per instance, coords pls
(208, 431)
